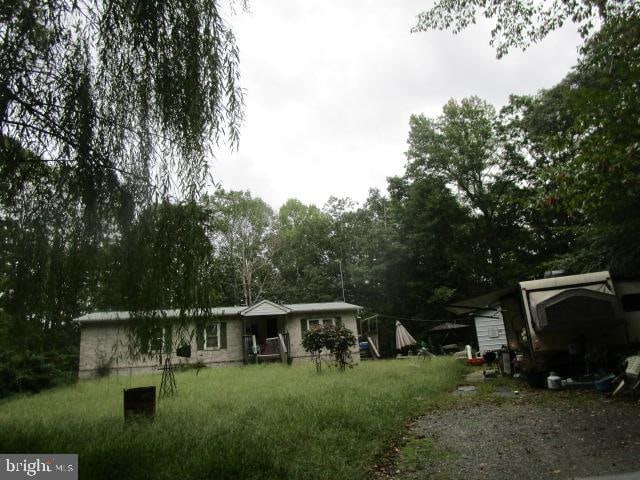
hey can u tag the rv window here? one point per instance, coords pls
(631, 302)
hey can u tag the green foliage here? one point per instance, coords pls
(240, 229)
(337, 339)
(464, 149)
(29, 372)
(584, 138)
(119, 91)
(339, 422)
(313, 341)
(305, 255)
(163, 260)
(520, 23)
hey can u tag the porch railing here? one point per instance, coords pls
(276, 348)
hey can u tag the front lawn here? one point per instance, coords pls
(255, 422)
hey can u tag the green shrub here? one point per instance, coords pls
(338, 339)
(313, 341)
(29, 372)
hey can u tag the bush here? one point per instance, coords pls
(28, 372)
(313, 341)
(338, 339)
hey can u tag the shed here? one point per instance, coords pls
(490, 329)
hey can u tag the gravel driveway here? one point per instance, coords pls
(529, 437)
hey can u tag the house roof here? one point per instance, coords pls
(115, 316)
(265, 307)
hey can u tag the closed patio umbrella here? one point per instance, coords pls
(403, 337)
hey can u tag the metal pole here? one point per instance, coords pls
(341, 280)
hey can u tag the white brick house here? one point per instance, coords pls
(222, 336)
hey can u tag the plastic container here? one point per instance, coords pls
(554, 382)
(475, 361)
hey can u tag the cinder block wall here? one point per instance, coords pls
(107, 342)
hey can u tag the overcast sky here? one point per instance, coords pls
(330, 86)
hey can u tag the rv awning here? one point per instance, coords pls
(482, 302)
(443, 327)
(577, 307)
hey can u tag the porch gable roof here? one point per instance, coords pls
(265, 307)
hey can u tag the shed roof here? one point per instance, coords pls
(115, 316)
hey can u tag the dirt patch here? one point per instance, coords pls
(549, 438)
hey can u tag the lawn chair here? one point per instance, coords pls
(630, 377)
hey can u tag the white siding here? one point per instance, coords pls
(490, 330)
(265, 308)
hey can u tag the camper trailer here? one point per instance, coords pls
(557, 313)
(576, 309)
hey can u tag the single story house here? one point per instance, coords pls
(217, 336)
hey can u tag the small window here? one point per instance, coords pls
(316, 322)
(156, 341)
(631, 302)
(313, 323)
(212, 336)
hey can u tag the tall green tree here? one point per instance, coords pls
(463, 148)
(583, 138)
(307, 265)
(240, 228)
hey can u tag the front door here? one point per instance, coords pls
(272, 327)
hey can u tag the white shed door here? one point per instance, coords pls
(490, 330)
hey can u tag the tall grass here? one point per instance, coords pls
(255, 422)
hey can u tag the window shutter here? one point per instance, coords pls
(223, 334)
(199, 337)
(303, 326)
(338, 320)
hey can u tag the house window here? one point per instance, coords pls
(156, 340)
(317, 322)
(212, 336)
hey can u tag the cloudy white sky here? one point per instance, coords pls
(330, 86)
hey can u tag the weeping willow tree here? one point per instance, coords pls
(163, 261)
(122, 92)
(106, 106)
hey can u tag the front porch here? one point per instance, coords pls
(273, 349)
(265, 334)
